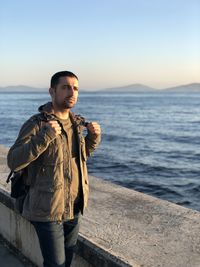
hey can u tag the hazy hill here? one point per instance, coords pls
(131, 88)
(187, 88)
(22, 88)
(134, 88)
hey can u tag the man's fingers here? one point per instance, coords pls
(54, 126)
(53, 123)
(94, 128)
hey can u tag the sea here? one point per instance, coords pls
(150, 141)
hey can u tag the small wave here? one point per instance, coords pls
(118, 138)
(185, 203)
(186, 186)
(156, 190)
(195, 189)
(195, 122)
(150, 169)
(188, 139)
(181, 139)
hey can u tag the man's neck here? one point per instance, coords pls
(63, 115)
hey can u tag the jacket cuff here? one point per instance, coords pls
(94, 138)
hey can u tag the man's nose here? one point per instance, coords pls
(71, 90)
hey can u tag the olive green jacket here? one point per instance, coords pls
(41, 154)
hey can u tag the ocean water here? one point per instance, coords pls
(150, 141)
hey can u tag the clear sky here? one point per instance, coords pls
(107, 43)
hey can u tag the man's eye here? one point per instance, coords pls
(69, 87)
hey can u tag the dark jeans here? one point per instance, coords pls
(58, 241)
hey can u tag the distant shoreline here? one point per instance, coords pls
(111, 92)
(132, 88)
(26, 92)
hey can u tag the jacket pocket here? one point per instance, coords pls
(48, 189)
(46, 197)
(53, 154)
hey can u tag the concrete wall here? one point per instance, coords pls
(21, 235)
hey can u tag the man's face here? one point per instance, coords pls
(65, 94)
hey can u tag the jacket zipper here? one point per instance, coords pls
(67, 176)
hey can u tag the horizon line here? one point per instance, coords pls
(106, 88)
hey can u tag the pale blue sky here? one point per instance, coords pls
(106, 43)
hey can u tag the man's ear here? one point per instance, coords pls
(51, 91)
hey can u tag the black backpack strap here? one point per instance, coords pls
(9, 177)
(79, 120)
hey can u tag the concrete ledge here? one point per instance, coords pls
(19, 232)
(96, 255)
(141, 230)
(10, 256)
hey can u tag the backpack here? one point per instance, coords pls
(19, 189)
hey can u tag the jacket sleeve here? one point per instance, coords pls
(92, 141)
(30, 144)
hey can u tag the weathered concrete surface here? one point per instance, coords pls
(4, 170)
(139, 229)
(142, 229)
(21, 236)
(11, 257)
(8, 259)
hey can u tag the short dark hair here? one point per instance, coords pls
(55, 78)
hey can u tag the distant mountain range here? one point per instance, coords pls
(131, 88)
(135, 88)
(22, 88)
(193, 87)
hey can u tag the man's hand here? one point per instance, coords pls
(54, 127)
(94, 128)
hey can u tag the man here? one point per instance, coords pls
(52, 152)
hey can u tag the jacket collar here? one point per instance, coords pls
(48, 112)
